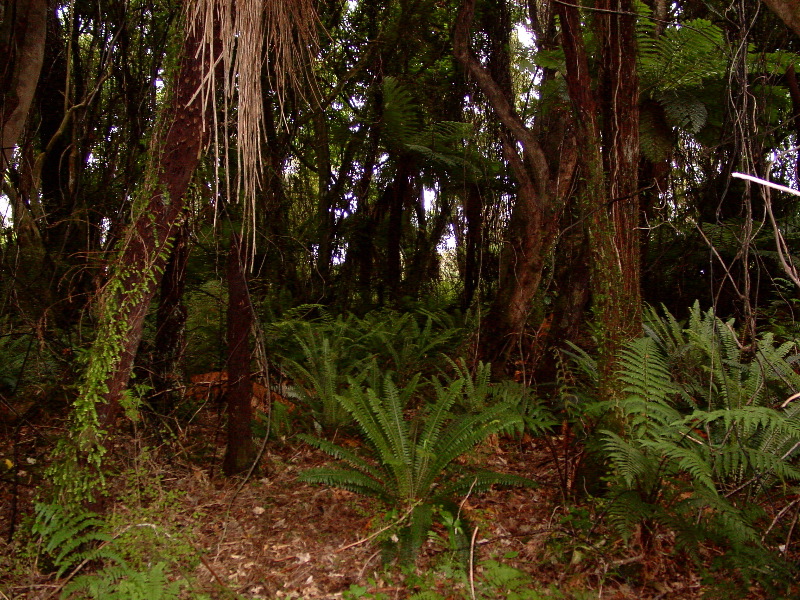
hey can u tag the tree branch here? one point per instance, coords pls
(505, 111)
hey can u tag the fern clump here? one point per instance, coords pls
(120, 582)
(409, 460)
(334, 350)
(72, 538)
(707, 438)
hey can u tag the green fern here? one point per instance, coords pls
(329, 357)
(404, 342)
(443, 146)
(401, 112)
(683, 56)
(408, 461)
(120, 582)
(477, 389)
(703, 436)
(71, 537)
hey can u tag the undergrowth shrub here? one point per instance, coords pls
(408, 459)
(322, 355)
(72, 538)
(709, 443)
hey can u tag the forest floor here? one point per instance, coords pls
(270, 536)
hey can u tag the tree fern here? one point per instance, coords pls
(683, 56)
(401, 112)
(441, 145)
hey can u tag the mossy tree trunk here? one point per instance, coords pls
(609, 165)
(178, 144)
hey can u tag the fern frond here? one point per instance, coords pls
(630, 462)
(627, 510)
(70, 535)
(361, 405)
(683, 57)
(585, 362)
(350, 480)
(686, 459)
(118, 582)
(389, 413)
(465, 433)
(345, 455)
(480, 481)
(401, 116)
(435, 419)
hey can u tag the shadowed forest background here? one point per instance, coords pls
(411, 299)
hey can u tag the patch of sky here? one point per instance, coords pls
(523, 35)
(6, 219)
(448, 241)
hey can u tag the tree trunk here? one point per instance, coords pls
(543, 182)
(788, 11)
(22, 40)
(473, 242)
(619, 90)
(400, 197)
(147, 246)
(171, 325)
(240, 451)
(609, 163)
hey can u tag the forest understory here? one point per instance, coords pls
(414, 299)
(269, 536)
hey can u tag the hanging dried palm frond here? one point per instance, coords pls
(250, 32)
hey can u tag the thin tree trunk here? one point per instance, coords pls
(240, 451)
(171, 325)
(402, 191)
(473, 215)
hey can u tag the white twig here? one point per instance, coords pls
(472, 563)
(776, 186)
(377, 533)
(789, 399)
(780, 242)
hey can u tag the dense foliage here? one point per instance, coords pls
(455, 218)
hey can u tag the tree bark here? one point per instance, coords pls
(240, 451)
(22, 40)
(148, 243)
(543, 183)
(609, 163)
(788, 11)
